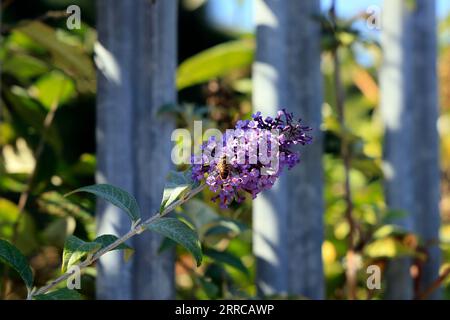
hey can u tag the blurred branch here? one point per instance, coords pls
(351, 267)
(46, 16)
(435, 285)
(37, 155)
(24, 196)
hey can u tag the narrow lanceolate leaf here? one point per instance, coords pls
(227, 258)
(390, 230)
(179, 232)
(177, 185)
(107, 239)
(116, 196)
(391, 247)
(60, 294)
(69, 58)
(76, 249)
(215, 62)
(16, 260)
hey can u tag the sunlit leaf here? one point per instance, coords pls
(7, 134)
(178, 183)
(26, 240)
(8, 182)
(33, 115)
(215, 62)
(23, 66)
(390, 248)
(76, 249)
(71, 59)
(53, 88)
(86, 165)
(18, 158)
(390, 230)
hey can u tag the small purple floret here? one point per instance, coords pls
(245, 160)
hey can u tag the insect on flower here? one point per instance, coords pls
(223, 168)
(236, 172)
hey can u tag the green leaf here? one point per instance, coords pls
(166, 244)
(226, 227)
(177, 185)
(116, 196)
(16, 260)
(226, 258)
(32, 114)
(72, 59)
(209, 287)
(53, 87)
(215, 62)
(56, 204)
(390, 230)
(210, 226)
(179, 232)
(9, 182)
(60, 294)
(76, 249)
(200, 213)
(19, 40)
(411, 5)
(390, 248)
(107, 239)
(23, 66)
(26, 229)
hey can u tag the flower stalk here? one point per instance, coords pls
(351, 268)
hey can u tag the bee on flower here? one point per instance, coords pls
(250, 158)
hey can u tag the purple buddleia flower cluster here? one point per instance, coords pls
(250, 158)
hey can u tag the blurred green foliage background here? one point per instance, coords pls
(48, 69)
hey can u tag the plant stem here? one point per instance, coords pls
(44, 17)
(139, 228)
(435, 285)
(345, 154)
(23, 199)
